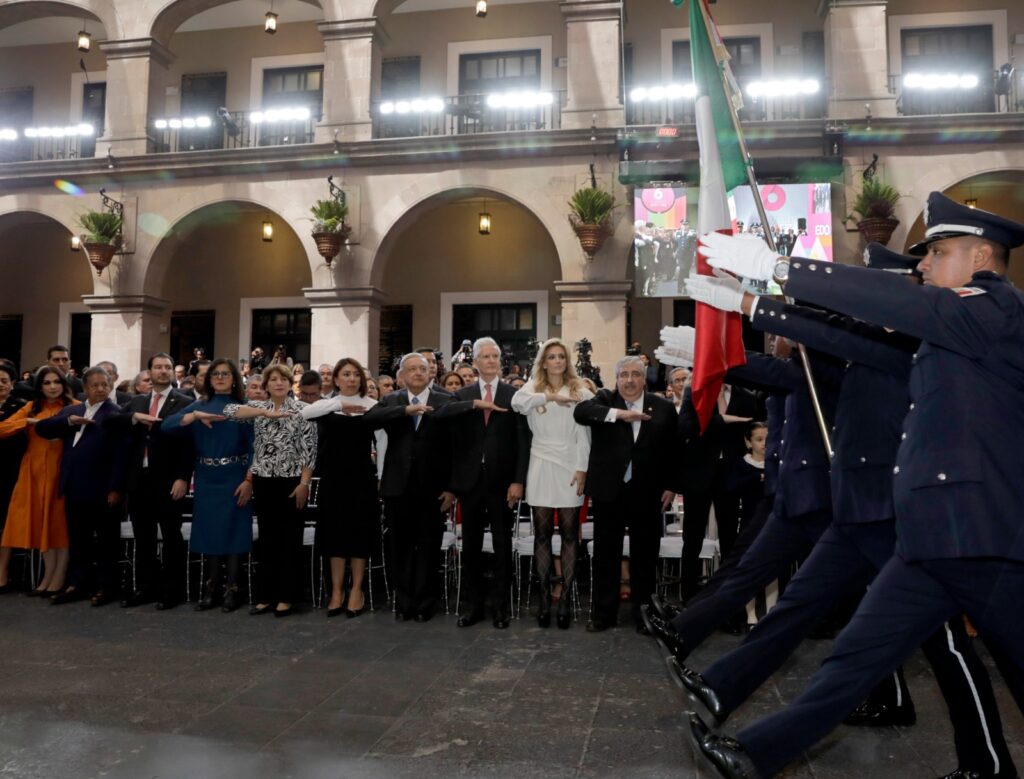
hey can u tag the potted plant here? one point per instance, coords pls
(591, 218)
(329, 229)
(876, 207)
(102, 237)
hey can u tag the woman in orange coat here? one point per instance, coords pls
(35, 516)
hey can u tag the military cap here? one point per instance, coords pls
(880, 258)
(945, 218)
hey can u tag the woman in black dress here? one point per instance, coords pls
(348, 509)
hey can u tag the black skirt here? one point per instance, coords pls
(348, 517)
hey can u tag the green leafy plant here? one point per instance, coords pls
(101, 227)
(592, 206)
(876, 200)
(329, 216)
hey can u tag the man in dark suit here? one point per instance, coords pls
(630, 482)
(157, 474)
(413, 486)
(491, 454)
(91, 476)
(60, 358)
(959, 542)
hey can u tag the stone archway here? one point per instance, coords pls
(16, 11)
(169, 16)
(44, 283)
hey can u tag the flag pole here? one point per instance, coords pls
(768, 237)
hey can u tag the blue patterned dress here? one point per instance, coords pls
(219, 525)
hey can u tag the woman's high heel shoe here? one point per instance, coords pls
(230, 599)
(564, 618)
(208, 599)
(544, 619)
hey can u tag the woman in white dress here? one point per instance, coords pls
(558, 465)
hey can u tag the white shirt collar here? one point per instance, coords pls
(638, 403)
(494, 385)
(422, 397)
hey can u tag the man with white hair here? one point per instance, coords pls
(630, 481)
(488, 473)
(414, 484)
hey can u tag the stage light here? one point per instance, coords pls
(789, 87)
(515, 100)
(659, 93)
(267, 231)
(933, 81)
(7, 134)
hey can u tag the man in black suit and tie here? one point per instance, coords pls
(630, 482)
(490, 458)
(157, 473)
(58, 357)
(91, 475)
(413, 486)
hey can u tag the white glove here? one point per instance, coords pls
(678, 346)
(720, 291)
(744, 255)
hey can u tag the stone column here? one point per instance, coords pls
(126, 329)
(594, 80)
(856, 59)
(346, 323)
(136, 89)
(351, 61)
(596, 310)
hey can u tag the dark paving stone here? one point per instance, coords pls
(242, 724)
(333, 734)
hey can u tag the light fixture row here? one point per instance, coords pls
(435, 105)
(183, 123)
(933, 81)
(790, 87)
(71, 131)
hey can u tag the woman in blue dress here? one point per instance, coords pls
(221, 515)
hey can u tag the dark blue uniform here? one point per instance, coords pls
(957, 492)
(803, 504)
(873, 401)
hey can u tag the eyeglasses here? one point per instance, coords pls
(221, 374)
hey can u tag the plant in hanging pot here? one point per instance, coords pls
(329, 228)
(102, 237)
(875, 204)
(591, 218)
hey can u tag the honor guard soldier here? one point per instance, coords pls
(956, 493)
(873, 401)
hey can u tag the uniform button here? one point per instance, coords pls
(803, 462)
(796, 264)
(863, 459)
(780, 462)
(812, 266)
(942, 477)
(771, 313)
(782, 317)
(896, 469)
(911, 406)
(760, 310)
(782, 441)
(828, 269)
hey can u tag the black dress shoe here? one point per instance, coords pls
(284, 612)
(353, 613)
(423, 616)
(167, 604)
(403, 616)
(230, 602)
(501, 619)
(337, 612)
(101, 598)
(726, 755)
(6, 588)
(544, 618)
(68, 595)
(597, 626)
(256, 611)
(470, 619)
(697, 689)
(137, 598)
(663, 609)
(665, 634)
(564, 618)
(881, 715)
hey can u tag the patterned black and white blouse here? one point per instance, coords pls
(283, 446)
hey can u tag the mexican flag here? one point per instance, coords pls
(719, 337)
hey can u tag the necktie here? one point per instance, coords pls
(489, 398)
(629, 466)
(417, 417)
(154, 409)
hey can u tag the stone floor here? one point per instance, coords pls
(135, 693)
